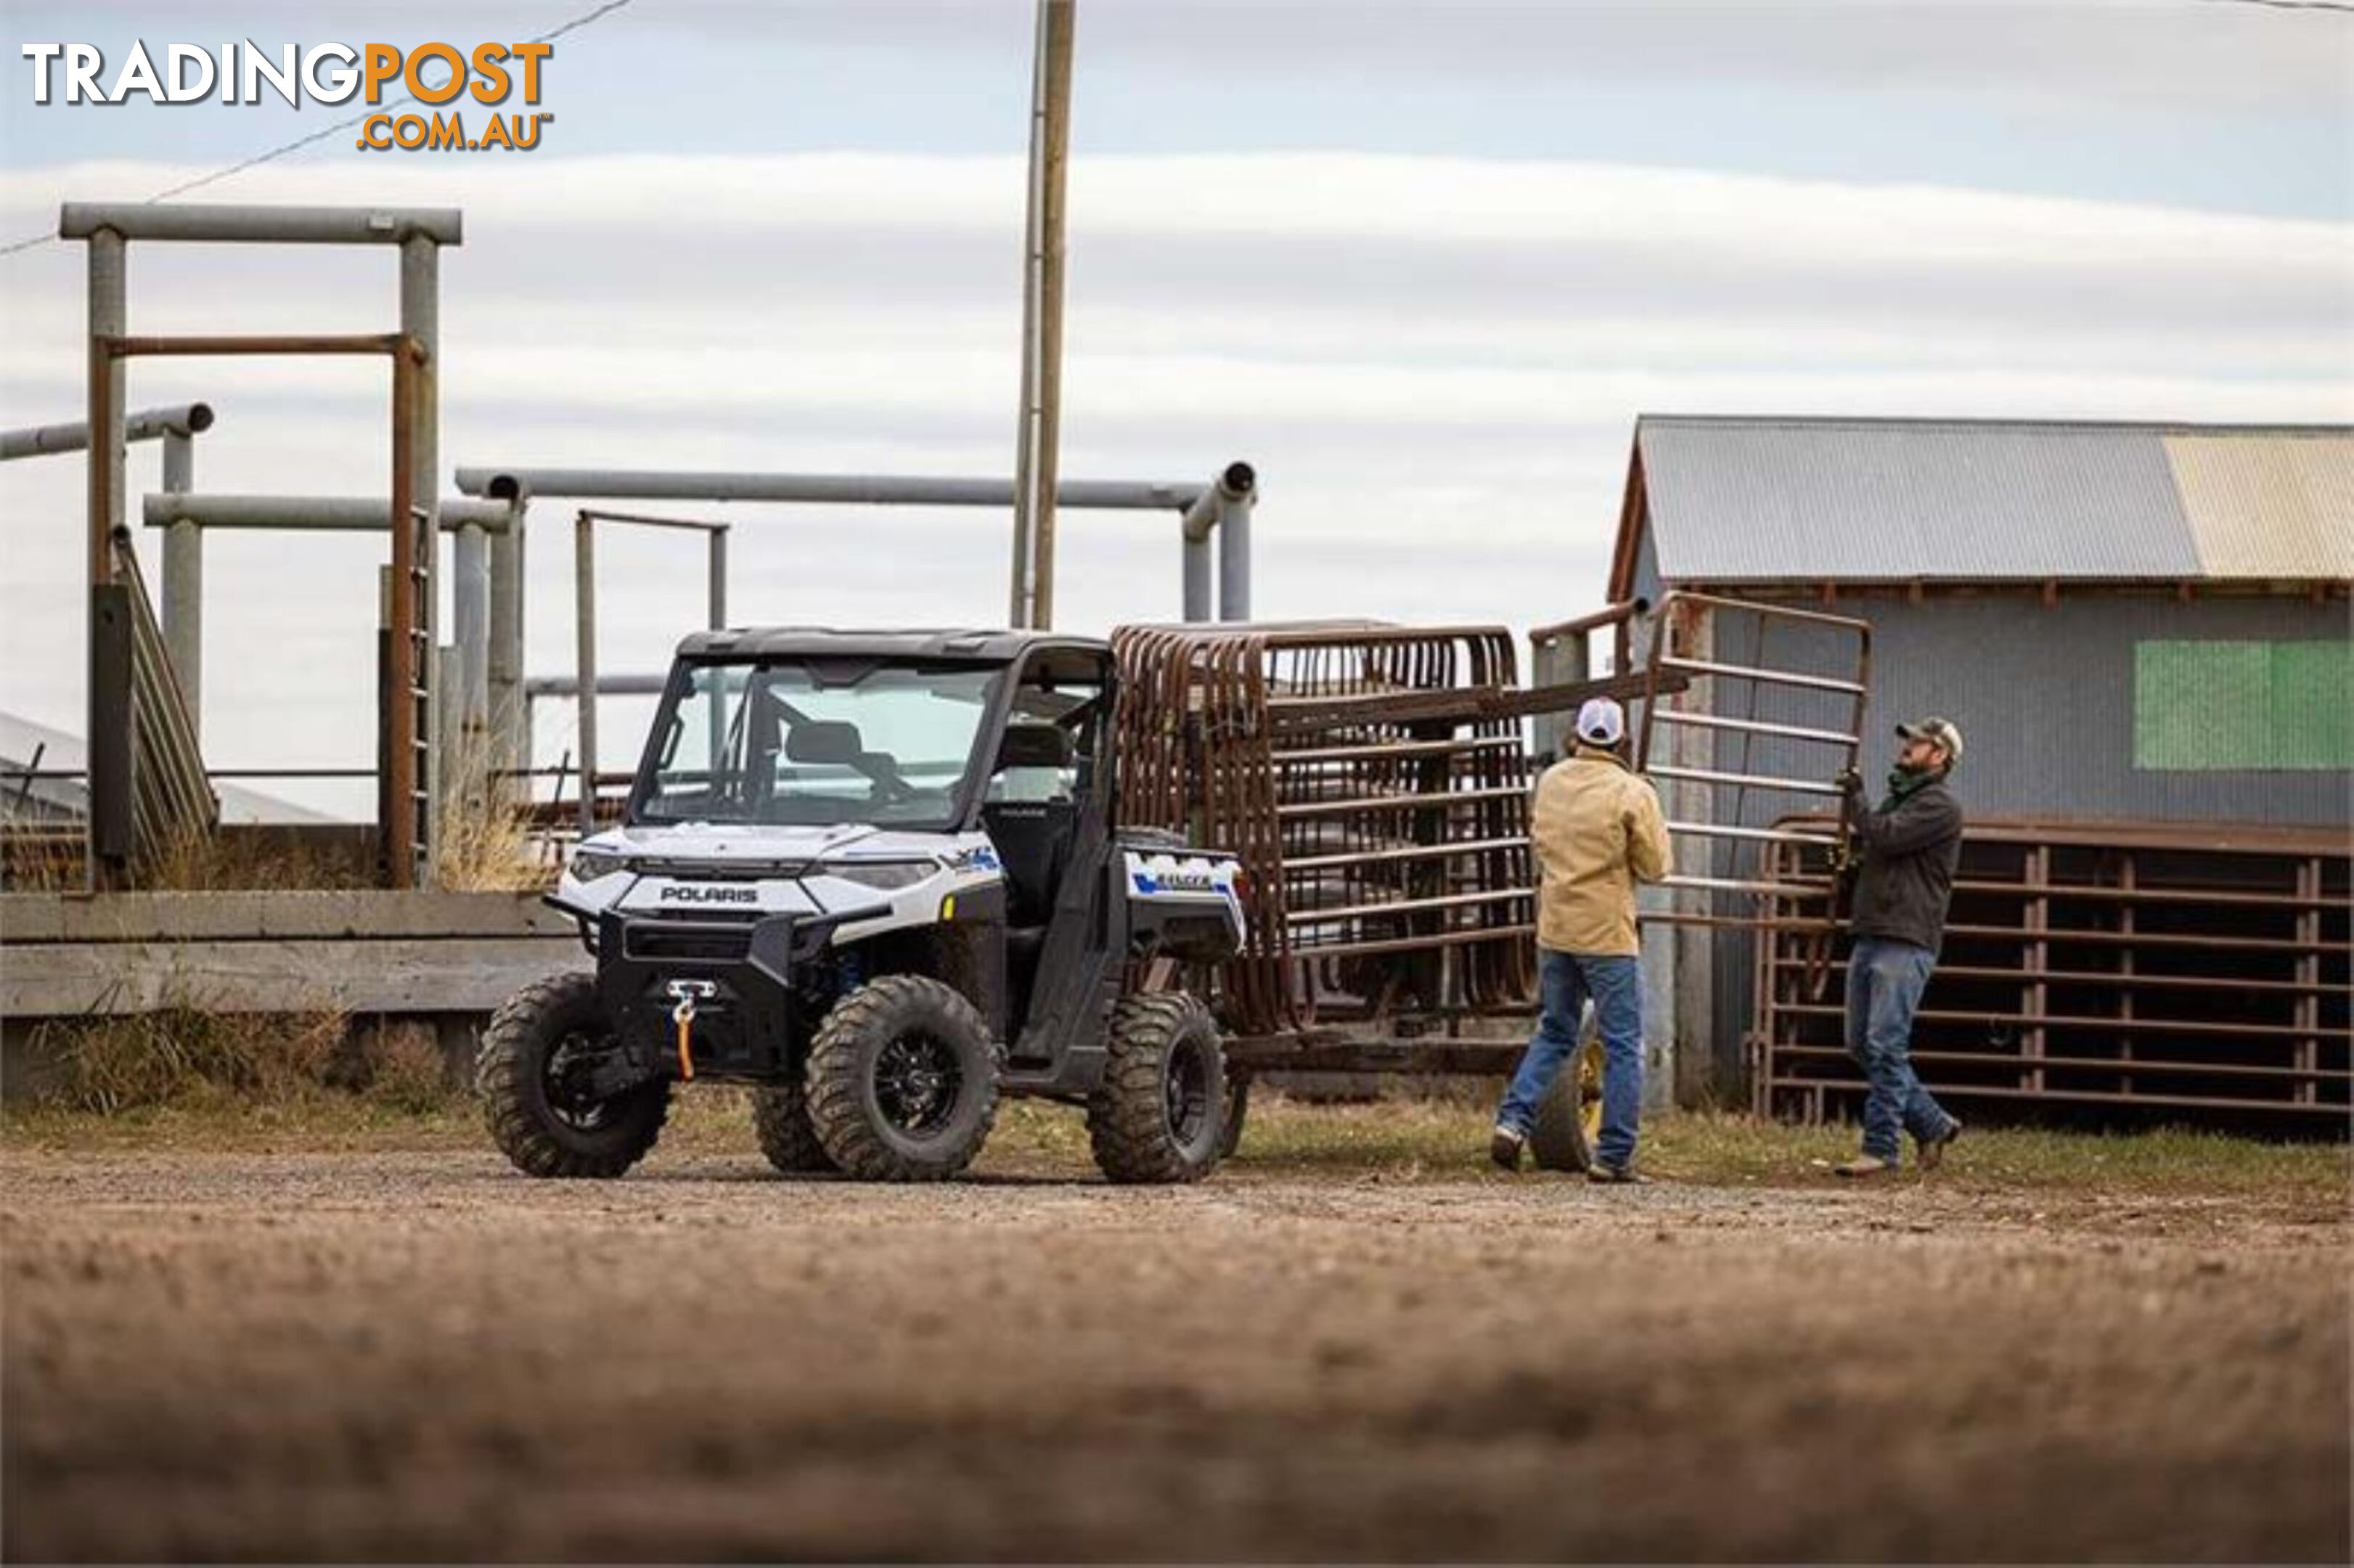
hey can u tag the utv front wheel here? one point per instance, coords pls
(781, 1119)
(902, 1081)
(535, 1074)
(1159, 1115)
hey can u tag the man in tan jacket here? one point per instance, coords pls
(1597, 831)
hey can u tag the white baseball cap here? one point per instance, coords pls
(1601, 722)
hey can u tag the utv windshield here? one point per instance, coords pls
(818, 743)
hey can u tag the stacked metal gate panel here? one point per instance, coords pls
(2198, 972)
(1800, 723)
(1374, 780)
(172, 799)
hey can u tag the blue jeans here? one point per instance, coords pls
(1884, 982)
(1616, 985)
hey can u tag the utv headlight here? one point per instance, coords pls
(885, 874)
(588, 866)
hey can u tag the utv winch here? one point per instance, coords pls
(879, 878)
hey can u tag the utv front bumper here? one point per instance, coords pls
(764, 971)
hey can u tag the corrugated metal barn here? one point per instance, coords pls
(2140, 630)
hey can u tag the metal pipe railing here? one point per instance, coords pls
(819, 489)
(1746, 780)
(1609, 615)
(232, 223)
(311, 513)
(107, 229)
(1695, 718)
(1225, 504)
(1770, 677)
(585, 686)
(144, 425)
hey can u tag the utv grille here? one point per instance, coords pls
(723, 870)
(678, 941)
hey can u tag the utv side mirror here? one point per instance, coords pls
(827, 742)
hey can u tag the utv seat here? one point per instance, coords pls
(1032, 838)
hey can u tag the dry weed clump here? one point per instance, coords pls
(400, 1066)
(40, 857)
(105, 1065)
(483, 844)
(208, 1061)
(251, 860)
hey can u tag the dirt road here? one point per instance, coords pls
(423, 1355)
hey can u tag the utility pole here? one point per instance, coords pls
(1035, 464)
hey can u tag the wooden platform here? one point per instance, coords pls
(69, 955)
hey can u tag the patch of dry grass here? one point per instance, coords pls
(1445, 1136)
(401, 1102)
(251, 860)
(483, 845)
(215, 1068)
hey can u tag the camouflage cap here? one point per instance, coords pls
(1937, 732)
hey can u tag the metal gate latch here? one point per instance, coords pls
(684, 995)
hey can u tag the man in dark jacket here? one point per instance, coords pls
(1909, 846)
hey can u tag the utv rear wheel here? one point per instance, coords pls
(902, 1081)
(781, 1120)
(535, 1074)
(1159, 1113)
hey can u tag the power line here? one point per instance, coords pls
(575, 25)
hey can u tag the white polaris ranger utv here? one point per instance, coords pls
(878, 877)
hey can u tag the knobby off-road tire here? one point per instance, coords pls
(781, 1120)
(1159, 1113)
(519, 1076)
(902, 1083)
(1569, 1117)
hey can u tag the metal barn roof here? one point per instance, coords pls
(1729, 499)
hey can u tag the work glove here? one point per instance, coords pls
(1849, 782)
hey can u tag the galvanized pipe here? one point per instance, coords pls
(312, 513)
(145, 425)
(607, 685)
(1225, 507)
(717, 588)
(828, 489)
(1694, 718)
(1233, 556)
(509, 713)
(1197, 577)
(1746, 780)
(470, 618)
(244, 224)
(184, 583)
(584, 645)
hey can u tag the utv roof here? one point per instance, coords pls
(827, 642)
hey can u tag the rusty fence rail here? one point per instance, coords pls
(2192, 973)
(1375, 781)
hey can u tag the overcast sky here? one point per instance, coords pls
(1423, 264)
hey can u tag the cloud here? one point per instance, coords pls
(1435, 363)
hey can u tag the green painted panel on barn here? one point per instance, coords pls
(2237, 705)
